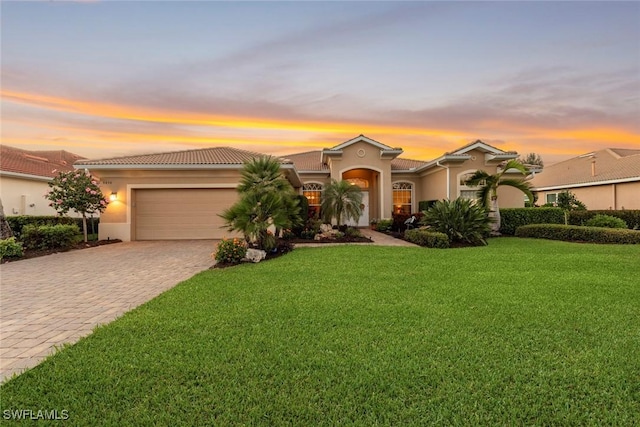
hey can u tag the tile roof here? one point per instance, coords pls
(464, 148)
(204, 156)
(37, 163)
(308, 161)
(611, 164)
(311, 161)
(406, 164)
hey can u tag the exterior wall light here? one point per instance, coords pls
(114, 196)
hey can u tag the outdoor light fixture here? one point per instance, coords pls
(114, 196)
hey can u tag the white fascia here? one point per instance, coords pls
(25, 176)
(587, 184)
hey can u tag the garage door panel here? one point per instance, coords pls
(185, 213)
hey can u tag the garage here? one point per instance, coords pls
(181, 213)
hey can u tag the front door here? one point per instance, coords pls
(364, 218)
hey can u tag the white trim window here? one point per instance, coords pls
(313, 192)
(467, 191)
(402, 197)
(551, 198)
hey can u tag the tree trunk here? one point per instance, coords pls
(494, 214)
(84, 226)
(5, 228)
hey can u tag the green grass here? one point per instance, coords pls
(522, 332)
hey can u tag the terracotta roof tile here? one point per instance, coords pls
(204, 156)
(37, 163)
(406, 164)
(610, 165)
(308, 161)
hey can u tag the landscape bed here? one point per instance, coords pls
(520, 332)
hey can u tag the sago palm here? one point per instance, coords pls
(341, 200)
(488, 192)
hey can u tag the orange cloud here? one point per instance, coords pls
(113, 111)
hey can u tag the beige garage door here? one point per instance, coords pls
(181, 213)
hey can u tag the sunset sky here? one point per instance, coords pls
(110, 78)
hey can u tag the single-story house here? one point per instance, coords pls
(24, 178)
(179, 195)
(604, 179)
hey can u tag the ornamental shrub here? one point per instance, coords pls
(606, 221)
(462, 220)
(429, 239)
(78, 191)
(45, 237)
(353, 232)
(576, 233)
(384, 225)
(18, 222)
(10, 248)
(230, 251)
(631, 217)
(512, 218)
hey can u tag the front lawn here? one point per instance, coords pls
(521, 332)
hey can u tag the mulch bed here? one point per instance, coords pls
(345, 239)
(286, 246)
(34, 253)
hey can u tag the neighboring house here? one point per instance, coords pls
(24, 178)
(605, 179)
(179, 195)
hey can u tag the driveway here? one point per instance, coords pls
(59, 298)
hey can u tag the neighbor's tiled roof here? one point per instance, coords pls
(610, 165)
(37, 163)
(204, 156)
(308, 161)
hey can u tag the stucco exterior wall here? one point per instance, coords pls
(362, 155)
(22, 196)
(628, 195)
(433, 185)
(603, 197)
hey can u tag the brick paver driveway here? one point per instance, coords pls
(56, 299)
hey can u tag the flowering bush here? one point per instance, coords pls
(79, 191)
(230, 251)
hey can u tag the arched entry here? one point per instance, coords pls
(368, 181)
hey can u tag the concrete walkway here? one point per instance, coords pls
(56, 299)
(59, 298)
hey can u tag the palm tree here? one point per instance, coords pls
(266, 199)
(488, 192)
(254, 213)
(341, 200)
(263, 174)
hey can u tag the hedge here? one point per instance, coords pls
(512, 218)
(18, 222)
(61, 236)
(576, 233)
(631, 217)
(429, 239)
(424, 205)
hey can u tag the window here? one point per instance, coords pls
(313, 193)
(402, 192)
(469, 192)
(552, 198)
